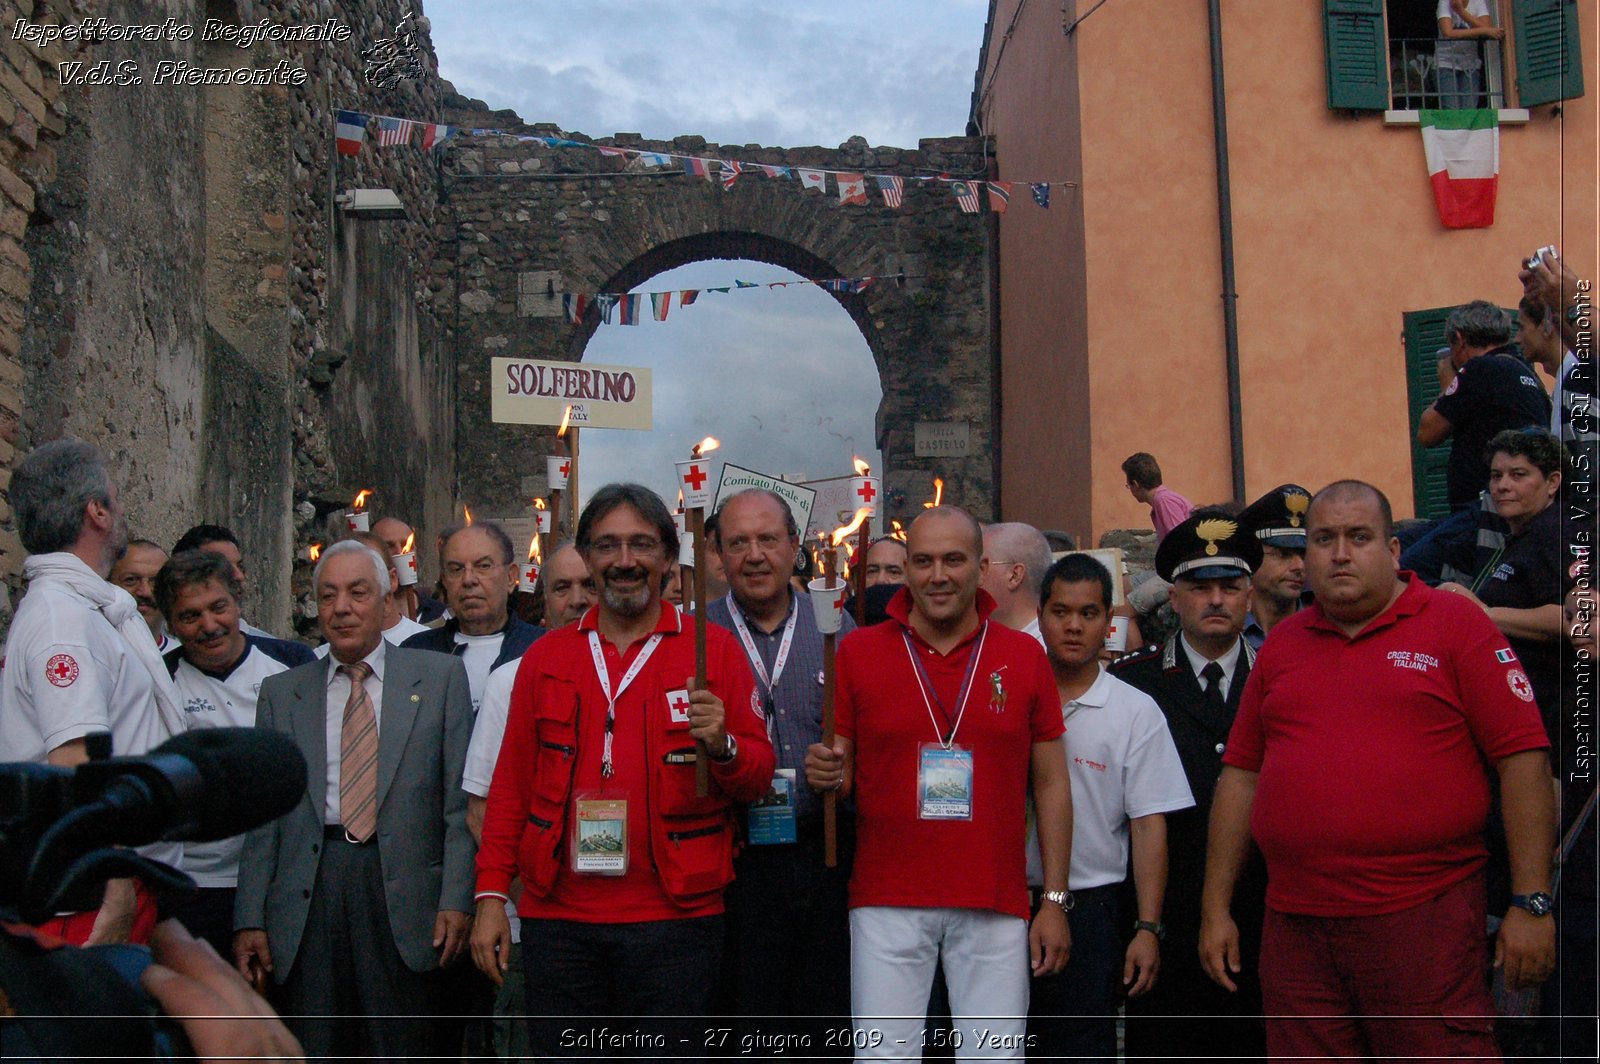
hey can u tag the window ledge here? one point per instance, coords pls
(1509, 116)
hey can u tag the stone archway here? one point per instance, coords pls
(530, 222)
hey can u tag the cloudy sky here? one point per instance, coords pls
(751, 71)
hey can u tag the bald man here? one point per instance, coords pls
(1018, 557)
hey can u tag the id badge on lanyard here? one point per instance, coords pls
(600, 834)
(945, 769)
(771, 821)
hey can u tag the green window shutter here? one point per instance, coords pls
(1424, 331)
(1358, 55)
(1549, 64)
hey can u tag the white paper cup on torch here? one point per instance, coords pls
(406, 566)
(542, 517)
(556, 467)
(694, 480)
(358, 520)
(827, 604)
(864, 491)
(529, 580)
(680, 521)
(1117, 634)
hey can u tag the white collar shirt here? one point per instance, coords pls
(1228, 661)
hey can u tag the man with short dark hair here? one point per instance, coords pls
(788, 928)
(1167, 507)
(1278, 520)
(135, 572)
(78, 659)
(1018, 556)
(943, 719)
(1357, 766)
(219, 539)
(479, 569)
(218, 671)
(1126, 777)
(1197, 678)
(353, 900)
(886, 562)
(593, 801)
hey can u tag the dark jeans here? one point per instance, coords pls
(620, 990)
(1074, 1014)
(1425, 547)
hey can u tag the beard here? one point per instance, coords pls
(626, 603)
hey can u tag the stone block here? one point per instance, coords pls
(16, 189)
(539, 294)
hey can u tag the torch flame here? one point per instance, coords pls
(566, 417)
(680, 501)
(534, 554)
(538, 504)
(316, 551)
(846, 531)
(361, 500)
(468, 511)
(710, 443)
(938, 494)
(862, 469)
(897, 530)
(410, 540)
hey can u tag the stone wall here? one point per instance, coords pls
(529, 220)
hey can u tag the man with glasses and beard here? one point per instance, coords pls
(593, 802)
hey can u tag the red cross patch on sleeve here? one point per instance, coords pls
(61, 670)
(1518, 681)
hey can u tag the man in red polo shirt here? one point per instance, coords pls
(593, 803)
(943, 717)
(1357, 762)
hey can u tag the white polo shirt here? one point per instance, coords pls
(1123, 765)
(484, 750)
(227, 700)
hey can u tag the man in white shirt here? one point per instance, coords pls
(217, 671)
(219, 539)
(1126, 776)
(78, 659)
(1018, 556)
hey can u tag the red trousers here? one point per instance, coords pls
(1406, 984)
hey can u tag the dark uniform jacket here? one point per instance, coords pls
(519, 637)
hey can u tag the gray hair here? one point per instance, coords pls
(1479, 323)
(50, 488)
(1026, 544)
(380, 568)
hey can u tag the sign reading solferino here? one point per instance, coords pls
(526, 392)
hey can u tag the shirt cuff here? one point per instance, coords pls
(482, 894)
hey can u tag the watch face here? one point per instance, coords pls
(1539, 904)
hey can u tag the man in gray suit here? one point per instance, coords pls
(352, 900)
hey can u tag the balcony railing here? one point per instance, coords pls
(1414, 81)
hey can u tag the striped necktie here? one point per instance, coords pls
(358, 757)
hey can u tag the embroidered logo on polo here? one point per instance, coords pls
(678, 704)
(198, 705)
(61, 670)
(1097, 766)
(1520, 685)
(1413, 659)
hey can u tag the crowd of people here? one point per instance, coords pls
(1323, 811)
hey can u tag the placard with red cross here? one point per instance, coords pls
(678, 705)
(864, 491)
(557, 468)
(694, 478)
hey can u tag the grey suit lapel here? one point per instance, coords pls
(400, 705)
(309, 719)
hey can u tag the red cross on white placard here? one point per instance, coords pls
(695, 478)
(867, 491)
(566, 468)
(678, 705)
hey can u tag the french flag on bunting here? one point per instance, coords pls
(966, 196)
(349, 130)
(1463, 152)
(393, 132)
(892, 188)
(434, 135)
(574, 305)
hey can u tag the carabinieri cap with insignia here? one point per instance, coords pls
(1278, 518)
(1210, 545)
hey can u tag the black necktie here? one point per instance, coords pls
(1213, 674)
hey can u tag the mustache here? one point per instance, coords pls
(635, 573)
(1216, 611)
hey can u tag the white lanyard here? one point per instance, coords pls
(754, 655)
(604, 676)
(924, 684)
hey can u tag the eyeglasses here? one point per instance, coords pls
(483, 567)
(742, 545)
(611, 546)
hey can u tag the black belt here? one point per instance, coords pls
(337, 833)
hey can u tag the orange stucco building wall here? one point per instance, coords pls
(1111, 316)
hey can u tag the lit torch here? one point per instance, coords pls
(569, 473)
(897, 530)
(864, 489)
(529, 574)
(827, 608)
(405, 563)
(314, 551)
(694, 481)
(357, 518)
(468, 511)
(938, 494)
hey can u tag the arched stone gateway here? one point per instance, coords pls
(530, 223)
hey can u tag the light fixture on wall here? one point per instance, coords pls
(374, 203)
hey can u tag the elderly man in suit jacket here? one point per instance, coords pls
(355, 897)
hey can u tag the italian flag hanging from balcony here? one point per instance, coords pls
(1463, 152)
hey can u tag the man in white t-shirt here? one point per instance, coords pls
(218, 672)
(397, 627)
(479, 570)
(79, 660)
(1126, 776)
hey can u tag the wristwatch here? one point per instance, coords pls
(729, 754)
(1537, 904)
(1062, 898)
(1155, 927)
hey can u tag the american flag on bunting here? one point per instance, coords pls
(966, 196)
(574, 305)
(1041, 193)
(393, 132)
(730, 173)
(892, 188)
(660, 303)
(999, 196)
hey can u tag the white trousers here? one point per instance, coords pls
(893, 952)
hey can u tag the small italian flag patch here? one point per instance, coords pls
(1505, 657)
(1463, 152)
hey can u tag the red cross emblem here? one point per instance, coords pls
(838, 603)
(1520, 685)
(566, 467)
(695, 478)
(678, 704)
(61, 670)
(867, 491)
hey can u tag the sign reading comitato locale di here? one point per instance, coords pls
(526, 392)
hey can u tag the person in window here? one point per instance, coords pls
(1462, 24)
